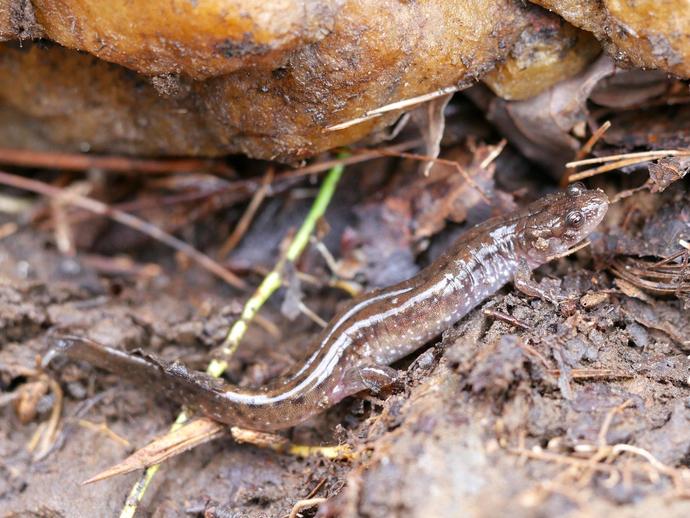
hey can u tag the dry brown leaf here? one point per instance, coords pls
(631, 290)
(540, 127)
(666, 171)
(28, 397)
(162, 448)
(431, 122)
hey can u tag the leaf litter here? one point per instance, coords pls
(577, 408)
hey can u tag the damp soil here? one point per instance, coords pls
(522, 407)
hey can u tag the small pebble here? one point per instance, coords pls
(591, 300)
(638, 334)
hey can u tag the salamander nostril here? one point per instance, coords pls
(576, 189)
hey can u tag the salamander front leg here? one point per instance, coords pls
(525, 283)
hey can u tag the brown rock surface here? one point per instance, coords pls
(548, 51)
(644, 33)
(268, 79)
(378, 53)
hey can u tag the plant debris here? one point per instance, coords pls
(578, 407)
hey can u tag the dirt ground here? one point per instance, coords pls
(521, 408)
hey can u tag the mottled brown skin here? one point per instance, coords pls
(353, 352)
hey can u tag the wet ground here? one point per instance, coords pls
(523, 407)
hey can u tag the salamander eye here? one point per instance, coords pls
(575, 219)
(577, 188)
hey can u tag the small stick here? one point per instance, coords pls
(588, 173)
(312, 315)
(534, 352)
(244, 222)
(560, 459)
(649, 155)
(105, 430)
(585, 150)
(608, 420)
(670, 258)
(655, 463)
(509, 319)
(398, 105)
(593, 374)
(326, 254)
(120, 164)
(124, 218)
(493, 154)
(316, 489)
(356, 158)
(47, 438)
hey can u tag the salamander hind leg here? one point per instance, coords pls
(373, 378)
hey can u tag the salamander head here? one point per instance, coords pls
(561, 220)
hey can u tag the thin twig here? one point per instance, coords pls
(648, 155)
(105, 430)
(493, 154)
(398, 105)
(588, 173)
(608, 420)
(585, 150)
(357, 157)
(120, 164)
(508, 319)
(444, 161)
(124, 218)
(47, 433)
(248, 216)
(312, 315)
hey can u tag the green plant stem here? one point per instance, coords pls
(268, 286)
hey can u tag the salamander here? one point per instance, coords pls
(354, 352)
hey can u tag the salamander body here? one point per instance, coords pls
(354, 351)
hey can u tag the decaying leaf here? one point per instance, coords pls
(431, 122)
(162, 448)
(666, 171)
(540, 127)
(465, 193)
